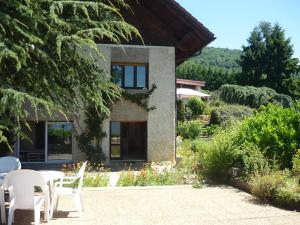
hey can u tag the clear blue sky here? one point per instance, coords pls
(232, 20)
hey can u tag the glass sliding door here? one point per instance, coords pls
(32, 148)
(46, 142)
(59, 141)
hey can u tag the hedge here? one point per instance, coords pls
(253, 97)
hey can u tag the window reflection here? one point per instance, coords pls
(116, 72)
(129, 76)
(115, 140)
(32, 148)
(60, 141)
(141, 76)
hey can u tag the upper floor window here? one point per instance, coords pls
(130, 76)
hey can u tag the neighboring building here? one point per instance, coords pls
(191, 84)
(171, 35)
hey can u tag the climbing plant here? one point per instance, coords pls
(141, 99)
(90, 140)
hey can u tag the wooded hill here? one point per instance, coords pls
(215, 66)
(219, 57)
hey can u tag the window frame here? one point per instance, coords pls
(135, 65)
(110, 142)
(46, 161)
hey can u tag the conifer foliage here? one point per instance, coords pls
(40, 59)
(268, 60)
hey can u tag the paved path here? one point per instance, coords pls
(168, 206)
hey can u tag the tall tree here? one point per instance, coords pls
(268, 60)
(40, 58)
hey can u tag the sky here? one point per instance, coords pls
(232, 20)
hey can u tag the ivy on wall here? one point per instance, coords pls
(90, 140)
(141, 99)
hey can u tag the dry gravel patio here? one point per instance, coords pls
(167, 206)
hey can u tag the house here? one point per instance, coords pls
(191, 84)
(171, 35)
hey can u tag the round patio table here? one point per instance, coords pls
(2, 177)
(49, 177)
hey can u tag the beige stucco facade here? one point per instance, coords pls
(160, 121)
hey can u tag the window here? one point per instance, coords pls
(33, 148)
(47, 141)
(59, 141)
(115, 139)
(130, 76)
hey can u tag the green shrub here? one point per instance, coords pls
(196, 105)
(296, 163)
(219, 155)
(289, 195)
(192, 155)
(277, 187)
(189, 129)
(96, 180)
(227, 114)
(276, 131)
(180, 110)
(267, 140)
(265, 186)
(250, 158)
(127, 178)
(253, 97)
(225, 150)
(209, 130)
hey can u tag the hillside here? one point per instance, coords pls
(219, 57)
(215, 66)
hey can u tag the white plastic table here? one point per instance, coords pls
(2, 177)
(49, 177)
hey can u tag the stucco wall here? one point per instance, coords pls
(79, 122)
(105, 63)
(161, 122)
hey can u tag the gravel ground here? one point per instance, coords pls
(181, 205)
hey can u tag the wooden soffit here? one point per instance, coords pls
(166, 23)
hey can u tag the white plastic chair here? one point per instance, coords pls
(9, 163)
(21, 185)
(60, 190)
(2, 205)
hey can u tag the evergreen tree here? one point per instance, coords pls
(41, 60)
(268, 58)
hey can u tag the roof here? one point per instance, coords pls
(190, 82)
(166, 23)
